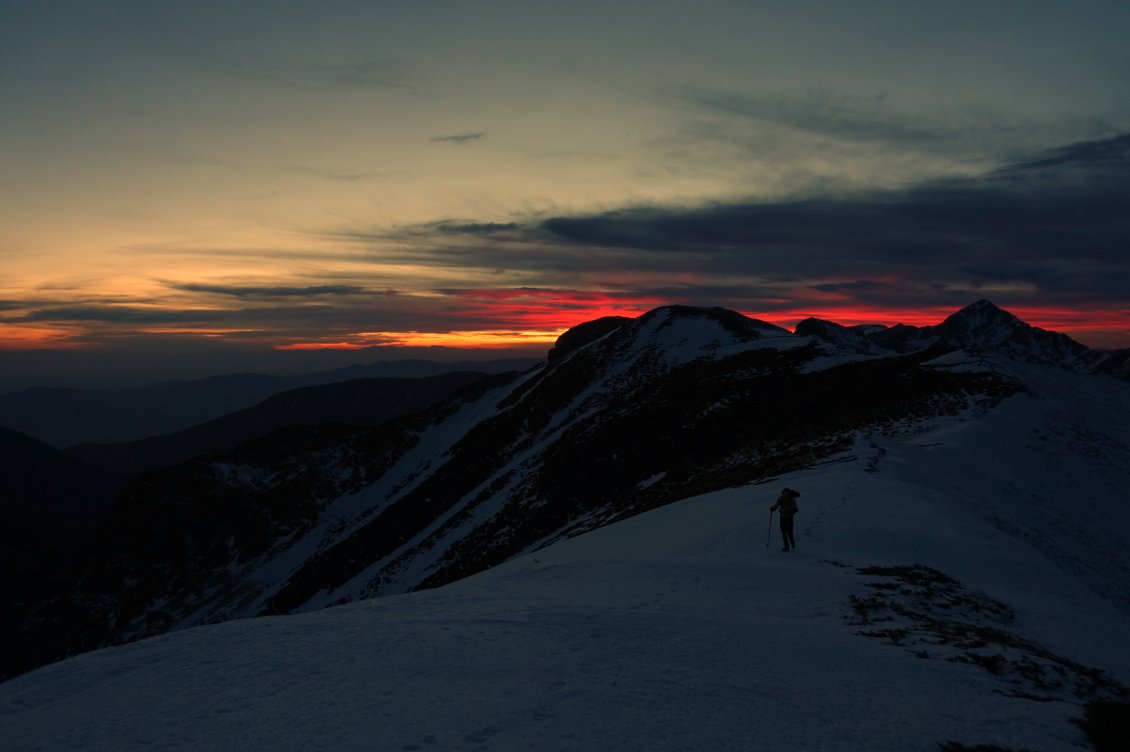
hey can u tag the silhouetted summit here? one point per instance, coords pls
(582, 334)
(982, 326)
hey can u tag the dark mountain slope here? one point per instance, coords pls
(49, 502)
(182, 536)
(677, 402)
(360, 402)
(50, 505)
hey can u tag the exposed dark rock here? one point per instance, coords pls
(933, 616)
(582, 334)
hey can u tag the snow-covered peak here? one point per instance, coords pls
(685, 333)
(670, 336)
(981, 326)
(986, 326)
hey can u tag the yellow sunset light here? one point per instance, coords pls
(474, 339)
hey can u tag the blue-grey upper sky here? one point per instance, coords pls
(255, 175)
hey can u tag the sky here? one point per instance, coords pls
(193, 188)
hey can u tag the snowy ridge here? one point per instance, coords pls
(645, 351)
(626, 416)
(651, 347)
(349, 512)
(980, 325)
(680, 629)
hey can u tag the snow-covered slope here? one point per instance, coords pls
(625, 416)
(680, 628)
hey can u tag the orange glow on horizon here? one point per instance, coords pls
(513, 318)
(197, 331)
(469, 340)
(39, 338)
(323, 346)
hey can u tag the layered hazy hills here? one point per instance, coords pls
(361, 402)
(66, 417)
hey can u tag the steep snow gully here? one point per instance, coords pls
(679, 629)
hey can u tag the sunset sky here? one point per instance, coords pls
(205, 187)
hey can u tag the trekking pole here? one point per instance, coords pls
(769, 533)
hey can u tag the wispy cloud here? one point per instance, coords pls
(289, 72)
(459, 138)
(1048, 231)
(341, 176)
(827, 113)
(266, 291)
(120, 314)
(442, 227)
(880, 139)
(366, 74)
(1111, 154)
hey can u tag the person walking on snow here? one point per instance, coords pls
(786, 503)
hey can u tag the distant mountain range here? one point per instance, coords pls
(361, 402)
(624, 416)
(66, 417)
(980, 326)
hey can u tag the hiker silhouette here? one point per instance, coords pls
(787, 505)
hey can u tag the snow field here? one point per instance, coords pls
(678, 629)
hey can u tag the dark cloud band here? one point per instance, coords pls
(249, 291)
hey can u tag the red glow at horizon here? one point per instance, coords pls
(515, 318)
(856, 316)
(1101, 327)
(532, 317)
(1047, 317)
(545, 309)
(497, 319)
